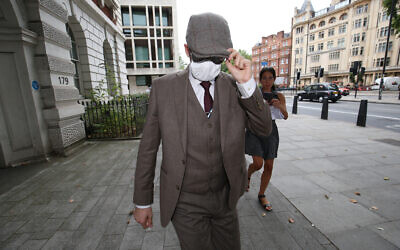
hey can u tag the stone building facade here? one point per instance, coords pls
(273, 51)
(151, 46)
(337, 36)
(52, 53)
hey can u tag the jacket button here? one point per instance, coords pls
(177, 187)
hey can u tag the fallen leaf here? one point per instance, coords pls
(379, 228)
(374, 208)
(131, 212)
(383, 156)
(264, 214)
(386, 178)
(128, 222)
(357, 193)
(353, 201)
(71, 200)
(291, 220)
(327, 197)
(346, 149)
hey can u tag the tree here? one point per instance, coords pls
(387, 6)
(182, 64)
(243, 53)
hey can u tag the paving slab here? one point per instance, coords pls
(360, 239)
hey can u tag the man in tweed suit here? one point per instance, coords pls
(200, 115)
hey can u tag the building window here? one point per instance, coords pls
(381, 47)
(378, 62)
(365, 22)
(321, 34)
(320, 46)
(333, 67)
(341, 42)
(127, 32)
(361, 9)
(334, 55)
(311, 48)
(141, 50)
(361, 51)
(363, 37)
(126, 21)
(143, 80)
(315, 58)
(329, 45)
(354, 51)
(384, 31)
(128, 50)
(73, 53)
(343, 16)
(313, 26)
(356, 38)
(312, 37)
(299, 30)
(314, 69)
(332, 20)
(321, 24)
(139, 16)
(331, 32)
(385, 16)
(357, 23)
(342, 29)
(282, 71)
(166, 16)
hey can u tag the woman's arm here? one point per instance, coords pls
(281, 105)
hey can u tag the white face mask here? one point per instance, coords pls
(205, 71)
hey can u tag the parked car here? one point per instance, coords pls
(319, 91)
(344, 91)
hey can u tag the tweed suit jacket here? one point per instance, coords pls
(166, 121)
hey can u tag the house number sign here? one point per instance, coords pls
(63, 80)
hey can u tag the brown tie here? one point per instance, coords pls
(208, 101)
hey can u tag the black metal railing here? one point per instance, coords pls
(114, 119)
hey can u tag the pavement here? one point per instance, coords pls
(339, 183)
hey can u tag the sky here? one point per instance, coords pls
(248, 20)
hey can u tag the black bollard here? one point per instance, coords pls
(362, 113)
(324, 112)
(399, 94)
(294, 108)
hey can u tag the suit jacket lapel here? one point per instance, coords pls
(180, 94)
(223, 101)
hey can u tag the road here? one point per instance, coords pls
(385, 116)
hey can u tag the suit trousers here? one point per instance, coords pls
(205, 221)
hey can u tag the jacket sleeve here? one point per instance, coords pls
(258, 114)
(147, 154)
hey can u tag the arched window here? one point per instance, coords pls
(332, 20)
(343, 16)
(74, 57)
(312, 26)
(321, 24)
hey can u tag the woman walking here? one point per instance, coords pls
(265, 149)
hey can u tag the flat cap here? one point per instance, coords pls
(208, 35)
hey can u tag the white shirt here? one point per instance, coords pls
(246, 90)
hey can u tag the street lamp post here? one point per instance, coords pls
(386, 49)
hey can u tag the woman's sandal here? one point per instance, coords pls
(267, 206)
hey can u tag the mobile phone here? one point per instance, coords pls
(268, 96)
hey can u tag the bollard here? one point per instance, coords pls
(362, 113)
(399, 94)
(324, 112)
(294, 108)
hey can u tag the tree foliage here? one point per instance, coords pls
(387, 6)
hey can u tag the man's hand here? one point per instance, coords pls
(241, 70)
(144, 216)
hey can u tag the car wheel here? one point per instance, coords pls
(334, 101)
(300, 98)
(321, 99)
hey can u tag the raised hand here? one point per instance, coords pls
(241, 69)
